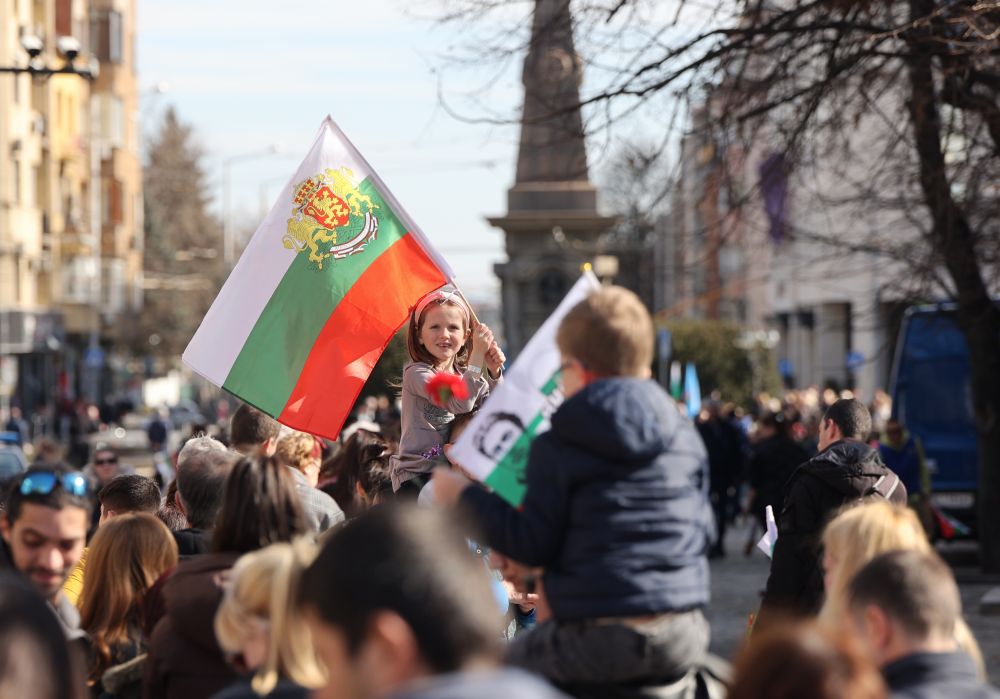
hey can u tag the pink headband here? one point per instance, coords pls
(448, 294)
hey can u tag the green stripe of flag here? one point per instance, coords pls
(268, 366)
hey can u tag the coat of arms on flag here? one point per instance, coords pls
(331, 217)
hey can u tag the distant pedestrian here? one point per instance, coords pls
(18, 425)
(157, 431)
(724, 443)
(904, 454)
(845, 470)
(774, 458)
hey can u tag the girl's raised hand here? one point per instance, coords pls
(482, 338)
(495, 359)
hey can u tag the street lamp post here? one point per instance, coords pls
(227, 164)
(69, 49)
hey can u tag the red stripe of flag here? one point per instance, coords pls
(355, 335)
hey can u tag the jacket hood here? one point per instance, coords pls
(619, 418)
(848, 466)
(193, 594)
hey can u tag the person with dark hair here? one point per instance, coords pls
(202, 466)
(44, 529)
(122, 495)
(259, 507)
(411, 615)
(773, 459)
(724, 443)
(278, 515)
(905, 605)
(845, 470)
(128, 493)
(338, 476)
(103, 468)
(804, 660)
(35, 660)
(374, 484)
(252, 432)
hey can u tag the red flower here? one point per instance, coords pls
(443, 386)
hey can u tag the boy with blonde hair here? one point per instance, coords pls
(616, 512)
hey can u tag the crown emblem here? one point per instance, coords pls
(331, 217)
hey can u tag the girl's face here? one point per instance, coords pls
(443, 333)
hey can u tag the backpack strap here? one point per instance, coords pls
(882, 489)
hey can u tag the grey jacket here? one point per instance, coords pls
(321, 511)
(426, 428)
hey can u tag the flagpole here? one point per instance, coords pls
(475, 318)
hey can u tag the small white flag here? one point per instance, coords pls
(766, 543)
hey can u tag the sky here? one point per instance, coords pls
(250, 74)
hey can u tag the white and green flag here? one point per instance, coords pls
(495, 446)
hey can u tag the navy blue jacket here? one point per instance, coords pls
(616, 508)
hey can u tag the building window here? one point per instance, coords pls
(106, 36)
(17, 182)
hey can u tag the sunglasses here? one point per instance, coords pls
(44, 482)
(109, 460)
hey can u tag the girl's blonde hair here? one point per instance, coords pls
(863, 532)
(441, 297)
(126, 556)
(262, 589)
(297, 449)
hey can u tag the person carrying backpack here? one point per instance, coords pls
(845, 470)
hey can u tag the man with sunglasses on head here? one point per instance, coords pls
(44, 528)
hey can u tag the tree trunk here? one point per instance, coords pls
(954, 242)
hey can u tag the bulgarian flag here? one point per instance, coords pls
(325, 282)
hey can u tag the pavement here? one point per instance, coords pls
(737, 583)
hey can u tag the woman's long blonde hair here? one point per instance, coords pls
(126, 556)
(262, 589)
(859, 534)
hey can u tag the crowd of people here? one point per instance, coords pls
(278, 564)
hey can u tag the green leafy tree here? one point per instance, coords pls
(724, 363)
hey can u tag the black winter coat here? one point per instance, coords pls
(616, 508)
(844, 472)
(772, 464)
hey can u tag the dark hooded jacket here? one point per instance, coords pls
(847, 471)
(185, 661)
(616, 507)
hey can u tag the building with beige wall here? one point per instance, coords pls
(70, 200)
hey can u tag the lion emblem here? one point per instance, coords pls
(331, 217)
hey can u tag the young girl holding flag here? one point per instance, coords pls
(446, 346)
